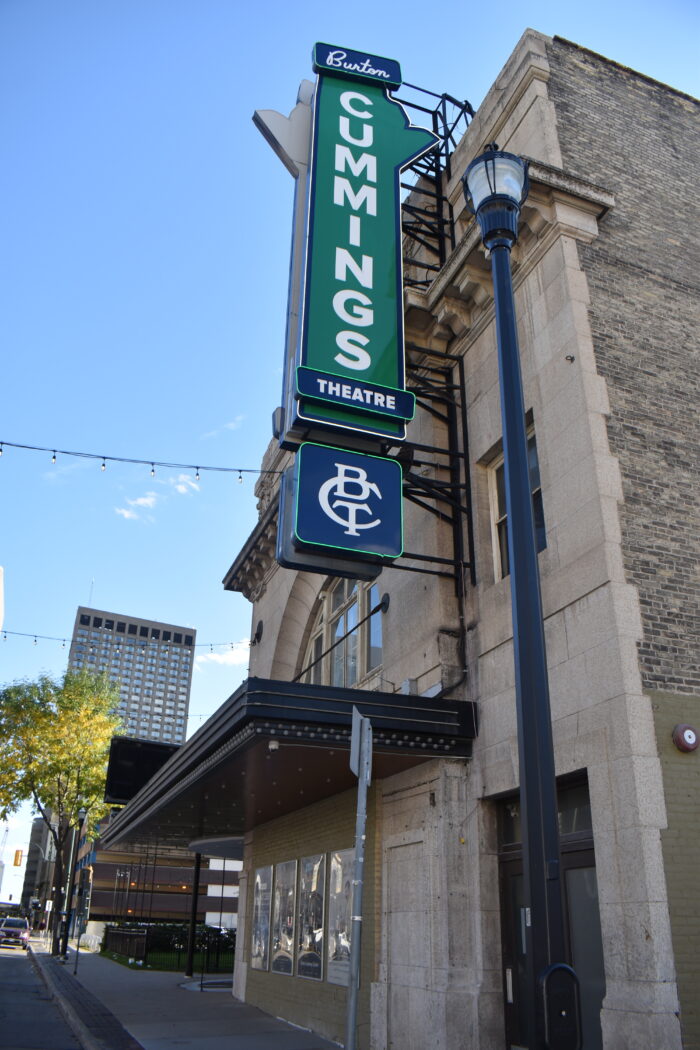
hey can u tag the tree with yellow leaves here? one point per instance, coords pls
(54, 747)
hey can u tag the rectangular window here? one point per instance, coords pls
(316, 672)
(342, 873)
(338, 655)
(312, 877)
(260, 933)
(351, 646)
(499, 512)
(283, 917)
(374, 631)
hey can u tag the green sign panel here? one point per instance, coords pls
(352, 322)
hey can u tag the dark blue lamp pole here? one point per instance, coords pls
(495, 185)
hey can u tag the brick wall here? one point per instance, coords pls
(681, 846)
(640, 140)
(326, 827)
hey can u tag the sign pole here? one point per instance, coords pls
(361, 766)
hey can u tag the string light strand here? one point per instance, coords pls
(151, 463)
(211, 646)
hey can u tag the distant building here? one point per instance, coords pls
(151, 662)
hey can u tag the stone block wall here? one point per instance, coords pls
(642, 273)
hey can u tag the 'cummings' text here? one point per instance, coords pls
(352, 306)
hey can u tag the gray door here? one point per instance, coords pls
(583, 941)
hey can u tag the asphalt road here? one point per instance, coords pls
(29, 1019)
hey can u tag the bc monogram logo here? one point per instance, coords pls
(344, 496)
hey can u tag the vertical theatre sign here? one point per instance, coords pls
(350, 365)
(340, 508)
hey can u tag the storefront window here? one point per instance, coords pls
(293, 911)
(260, 942)
(340, 915)
(312, 880)
(283, 917)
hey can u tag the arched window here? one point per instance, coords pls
(345, 648)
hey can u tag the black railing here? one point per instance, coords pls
(164, 947)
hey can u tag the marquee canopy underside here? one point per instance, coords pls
(275, 747)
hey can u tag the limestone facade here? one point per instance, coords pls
(607, 327)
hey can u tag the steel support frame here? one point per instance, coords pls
(431, 224)
(450, 499)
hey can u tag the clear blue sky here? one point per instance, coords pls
(144, 248)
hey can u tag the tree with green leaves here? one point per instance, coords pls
(54, 747)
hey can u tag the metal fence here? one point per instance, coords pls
(164, 947)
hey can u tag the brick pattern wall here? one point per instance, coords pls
(326, 827)
(681, 846)
(640, 140)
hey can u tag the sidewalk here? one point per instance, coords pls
(111, 1007)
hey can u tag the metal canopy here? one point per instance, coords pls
(275, 747)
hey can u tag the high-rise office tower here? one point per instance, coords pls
(151, 662)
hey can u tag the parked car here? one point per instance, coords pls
(14, 931)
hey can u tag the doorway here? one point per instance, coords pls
(583, 942)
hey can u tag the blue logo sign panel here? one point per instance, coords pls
(316, 559)
(349, 501)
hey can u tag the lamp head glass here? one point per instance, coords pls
(495, 174)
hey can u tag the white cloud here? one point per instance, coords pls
(149, 500)
(126, 513)
(238, 653)
(234, 424)
(184, 483)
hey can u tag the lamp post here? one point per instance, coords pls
(495, 186)
(68, 898)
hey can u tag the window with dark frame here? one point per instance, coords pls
(346, 642)
(499, 512)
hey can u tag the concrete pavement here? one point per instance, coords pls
(112, 1007)
(29, 1020)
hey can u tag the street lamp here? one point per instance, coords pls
(68, 898)
(495, 186)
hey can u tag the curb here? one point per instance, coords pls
(92, 1024)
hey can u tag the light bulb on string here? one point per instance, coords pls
(153, 470)
(53, 458)
(35, 640)
(104, 465)
(240, 478)
(196, 476)
(0, 449)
